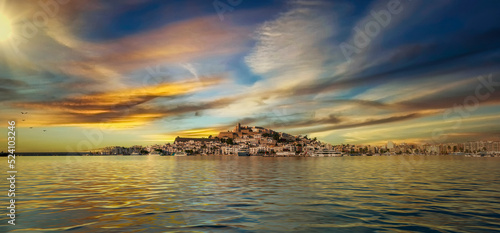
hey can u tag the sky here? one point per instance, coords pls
(81, 75)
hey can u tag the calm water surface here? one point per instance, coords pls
(255, 194)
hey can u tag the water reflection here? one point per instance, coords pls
(232, 194)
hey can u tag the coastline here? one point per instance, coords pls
(269, 155)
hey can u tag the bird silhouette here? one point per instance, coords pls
(24, 112)
(24, 119)
(44, 130)
(31, 127)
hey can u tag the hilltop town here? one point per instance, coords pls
(266, 142)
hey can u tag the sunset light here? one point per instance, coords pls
(5, 28)
(250, 116)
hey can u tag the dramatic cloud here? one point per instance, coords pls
(123, 105)
(291, 47)
(162, 69)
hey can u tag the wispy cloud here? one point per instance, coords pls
(128, 104)
(176, 69)
(291, 47)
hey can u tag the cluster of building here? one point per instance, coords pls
(484, 148)
(266, 142)
(119, 150)
(255, 140)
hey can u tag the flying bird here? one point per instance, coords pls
(44, 130)
(24, 112)
(31, 127)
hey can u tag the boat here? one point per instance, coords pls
(155, 153)
(180, 154)
(243, 152)
(327, 153)
(285, 153)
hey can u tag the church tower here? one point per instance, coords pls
(237, 128)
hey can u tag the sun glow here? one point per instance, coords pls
(5, 28)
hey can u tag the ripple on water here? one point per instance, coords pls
(206, 194)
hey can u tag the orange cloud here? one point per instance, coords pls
(200, 132)
(120, 108)
(174, 43)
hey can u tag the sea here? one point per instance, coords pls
(253, 194)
